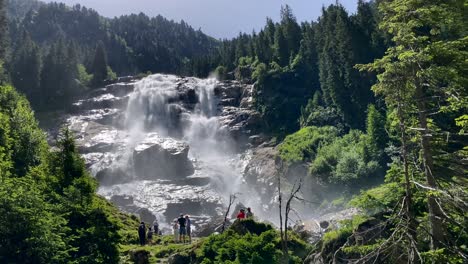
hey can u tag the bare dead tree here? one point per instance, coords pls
(232, 199)
(292, 195)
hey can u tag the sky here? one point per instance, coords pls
(217, 18)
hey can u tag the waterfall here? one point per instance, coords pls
(173, 154)
(154, 107)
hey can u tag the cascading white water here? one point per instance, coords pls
(155, 107)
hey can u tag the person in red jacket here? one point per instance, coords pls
(241, 214)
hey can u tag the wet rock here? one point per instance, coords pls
(240, 122)
(161, 158)
(256, 140)
(145, 215)
(214, 226)
(100, 102)
(111, 176)
(262, 167)
(190, 207)
(179, 258)
(122, 200)
(139, 256)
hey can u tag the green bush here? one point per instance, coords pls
(221, 73)
(302, 145)
(346, 161)
(248, 241)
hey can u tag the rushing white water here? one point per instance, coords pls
(155, 108)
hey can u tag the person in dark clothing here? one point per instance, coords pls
(249, 214)
(142, 233)
(150, 235)
(188, 228)
(182, 230)
(156, 227)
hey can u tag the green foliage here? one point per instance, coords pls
(58, 77)
(249, 242)
(83, 76)
(221, 73)
(345, 161)
(27, 140)
(111, 75)
(462, 122)
(31, 230)
(49, 212)
(344, 231)
(377, 135)
(377, 199)
(27, 65)
(259, 73)
(303, 145)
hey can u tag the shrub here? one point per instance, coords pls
(302, 145)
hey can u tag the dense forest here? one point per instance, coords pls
(59, 51)
(374, 103)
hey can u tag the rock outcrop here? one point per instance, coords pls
(161, 158)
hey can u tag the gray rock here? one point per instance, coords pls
(139, 256)
(179, 258)
(161, 158)
(122, 200)
(111, 176)
(146, 216)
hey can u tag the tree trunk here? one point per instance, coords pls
(435, 214)
(411, 222)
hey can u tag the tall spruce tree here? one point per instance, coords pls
(291, 30)
(59, 75)
(280, 47)
(3, 40)
(26, 69)
(3, 30)
(99, 67)
(428, 67)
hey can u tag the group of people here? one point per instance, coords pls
(182, 229)
(147, 237)
(245, 215)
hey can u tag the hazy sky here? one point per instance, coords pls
(218, 18)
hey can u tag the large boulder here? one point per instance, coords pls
(161, 158)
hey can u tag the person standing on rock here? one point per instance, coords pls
(142, 233)
(175, 230)
(241, 214)
(182, 230)
(150, 235)
(249, 214)
(189, 228)
(156, 227)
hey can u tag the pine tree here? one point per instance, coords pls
(99, 67)
(376, 131)
(426, 64)
(59, 84)
(3, 30)
(26, 69)
(291, 30)
(281, 52)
